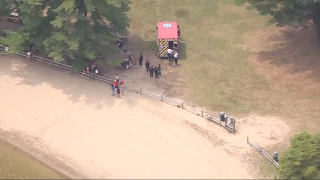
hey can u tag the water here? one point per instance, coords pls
(16, 164)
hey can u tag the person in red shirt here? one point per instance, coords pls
(115, 83)
(122, 86)
(121, 82)
(88, 70)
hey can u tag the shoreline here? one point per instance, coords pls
(10, 140)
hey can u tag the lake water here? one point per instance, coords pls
(16, 164)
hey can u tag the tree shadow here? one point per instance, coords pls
(78, 88)
(136, 44)
(296, 50)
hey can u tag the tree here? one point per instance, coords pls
(68, 28)
(289, 12)
(302, 159)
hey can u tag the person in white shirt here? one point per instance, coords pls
(169, 51)
(29, 55)
(176, 55)
(6, 48)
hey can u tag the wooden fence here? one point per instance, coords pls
(263, 152)
(228, 124)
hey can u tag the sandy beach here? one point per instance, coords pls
(74, 124)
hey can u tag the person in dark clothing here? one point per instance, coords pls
(178, 31)
(118, 92)
(120, 45)
(151, 71)
(140, 59)
(170, 60)
(159, 70)
(147, 65)
(156, 72)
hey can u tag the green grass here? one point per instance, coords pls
(213, 61)
(214, 58)
(113, 62)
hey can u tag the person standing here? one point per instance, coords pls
(122, 86)
(147, 65)
(176, 55)
(29, 55)
(171, 60)
(178, 31)
(159, 69)
(170, 51)
(156, 72)
(118, 92)
(151, 71)
(117, 78)
(112, 89)
(140, 59)
(115, 84)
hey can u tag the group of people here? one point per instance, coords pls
(89, 70)
(117, 86)
(156, 70)
(128, 63)
(173, 54)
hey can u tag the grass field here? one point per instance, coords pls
(218, 42)
(233, 60)
(213, 60)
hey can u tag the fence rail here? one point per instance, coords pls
(228, 124)
(263, 152)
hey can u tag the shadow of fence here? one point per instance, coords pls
(228, 122)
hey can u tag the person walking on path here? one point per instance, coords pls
(159, 69)
(147, 65)
(151, 71)
(112, 89)
(118, 92)
(156, 72)
(140, 59)
(176, 55)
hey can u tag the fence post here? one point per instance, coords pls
(201, 113)
(247, 140)
(161, 97)
(182, 105)
(140, 91)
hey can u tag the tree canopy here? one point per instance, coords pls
(302, 159)
(67, 28)
(289, 12)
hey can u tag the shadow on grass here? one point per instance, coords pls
(295, 50)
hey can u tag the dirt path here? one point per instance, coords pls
(74, 122)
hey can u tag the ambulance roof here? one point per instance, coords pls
(168, 30)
